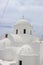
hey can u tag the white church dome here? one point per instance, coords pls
(23, 21)
(26, 50)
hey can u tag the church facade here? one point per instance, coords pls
(21, 47)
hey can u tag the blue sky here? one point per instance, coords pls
(31, 9)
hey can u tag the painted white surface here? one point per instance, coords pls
(29, 60)
(21, 46)
(21, 25)
(41, 53)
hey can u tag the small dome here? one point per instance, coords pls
(26, 50)
(5, 43)
(23, 21)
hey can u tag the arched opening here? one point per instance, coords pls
(20, 62)
(6, 35)
(24, 31)
(16, 31)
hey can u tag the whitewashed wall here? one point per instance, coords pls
(21, 27)
(41, 53)
(29, 60)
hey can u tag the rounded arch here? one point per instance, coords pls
(25, 51)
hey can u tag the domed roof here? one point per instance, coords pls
(23, 21)
(9, 53)
(5, 43)
(26, 50)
